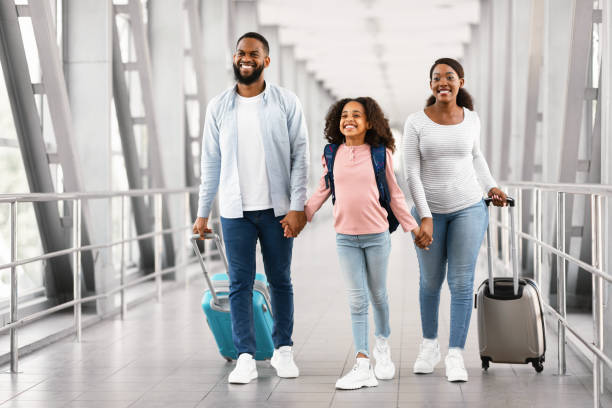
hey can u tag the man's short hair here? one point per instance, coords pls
(258, 37)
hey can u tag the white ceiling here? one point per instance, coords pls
(377, 48)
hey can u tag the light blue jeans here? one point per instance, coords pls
(456, 241)
(364, 259)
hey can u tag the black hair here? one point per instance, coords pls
(378, 134)
(464, 99)
(258, 37)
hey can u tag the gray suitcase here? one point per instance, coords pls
(510, 316)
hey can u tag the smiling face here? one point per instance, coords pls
(250, 60)
(445, 83)
(353, 120)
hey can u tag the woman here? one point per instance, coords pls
(446, 173)
(363, 238)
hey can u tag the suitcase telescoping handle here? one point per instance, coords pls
(219, 245)
(513, 251)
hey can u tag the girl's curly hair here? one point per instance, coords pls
(380, 133)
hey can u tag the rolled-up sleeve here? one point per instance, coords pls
(210, 163)
(298, 137)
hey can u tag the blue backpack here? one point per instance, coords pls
(379, 155)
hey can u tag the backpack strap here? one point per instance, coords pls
(379, 156)
(329, 152)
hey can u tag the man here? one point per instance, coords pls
(255, 152)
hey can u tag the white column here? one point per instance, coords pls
(555, 78)
(88, 69)
(484, 47)
(521, 14)
(244, 17)
(272, 73)
(301, 89)
(499, 19)
(288, 68)
(315, 131)
(218, 46)
(166, 39)
(606, 167)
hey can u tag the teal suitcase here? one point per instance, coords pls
(215, 304)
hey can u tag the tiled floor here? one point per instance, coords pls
(163, 355)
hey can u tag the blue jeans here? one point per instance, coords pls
(364, 259)
(240, 236)
(456, 241)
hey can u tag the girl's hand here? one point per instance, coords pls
(288, 232)
(498, 197)
(425, 236)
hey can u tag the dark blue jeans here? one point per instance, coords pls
(240, 236)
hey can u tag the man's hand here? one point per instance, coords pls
(293, 223)
(498, 197)
(200, 226)
(424, 237)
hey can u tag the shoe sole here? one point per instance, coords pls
(457, 379)
(253, 376)
(368, 383)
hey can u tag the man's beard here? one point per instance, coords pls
(249, 79)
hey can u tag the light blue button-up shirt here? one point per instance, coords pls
(285, 142)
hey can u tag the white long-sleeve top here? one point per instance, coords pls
(445, 170)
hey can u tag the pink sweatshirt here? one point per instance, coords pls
(357, 210)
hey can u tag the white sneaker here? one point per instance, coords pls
(282, 360)
(455, 369)
(384, 369)
(429, 356)
(245, 370)
(360, 376)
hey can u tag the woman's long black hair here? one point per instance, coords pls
(464, 99)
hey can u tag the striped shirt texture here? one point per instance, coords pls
(443, 164)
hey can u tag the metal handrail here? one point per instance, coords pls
(14, 199)
(552, 249)
(91, 247)
(36, 197)
(596, 192)
(586, 189)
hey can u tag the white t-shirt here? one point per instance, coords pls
(252, 173)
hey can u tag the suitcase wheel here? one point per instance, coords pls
(485, 363)
(537, 364)
(229, 360)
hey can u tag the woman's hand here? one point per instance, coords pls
(498, 197)
(424, 237)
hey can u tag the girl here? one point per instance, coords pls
(363, 238)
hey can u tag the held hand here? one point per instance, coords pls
(287, 231)
(293, 223)
(424, 237)
(498, 197)
(417, 233)
(200, 226)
